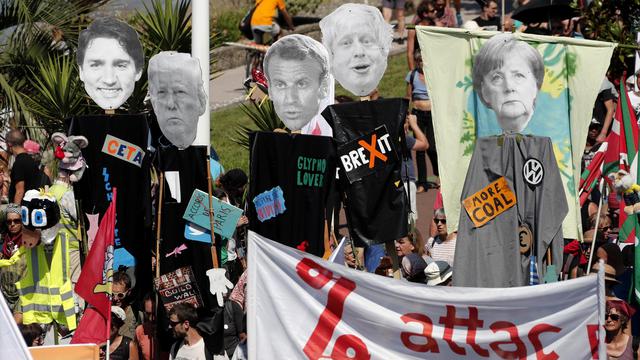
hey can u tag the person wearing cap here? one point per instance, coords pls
(609, 279)
(120, 347)
(13, 270)
(619, 342)
(438, 273)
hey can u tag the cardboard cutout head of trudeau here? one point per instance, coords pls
(358, 40)
(297, 69)
(507, 75)
(177, 95)
(111, 60)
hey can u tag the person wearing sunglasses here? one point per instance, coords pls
(183, 319)
(120, 290)
(442, 246)
(13, 238)
(619, 342)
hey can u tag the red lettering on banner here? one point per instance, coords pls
(317, 276)
(472, 323)
(592, 333)
(521, 350)
(306, 265)
(534, 337)
(344, 343)
(427, 327)
(112, 147)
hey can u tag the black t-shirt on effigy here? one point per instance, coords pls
(24, 169)
(117, 157)
(370, 140)
(290, 179)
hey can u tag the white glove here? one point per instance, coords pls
(218, 283)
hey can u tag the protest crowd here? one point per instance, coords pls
(127, 233)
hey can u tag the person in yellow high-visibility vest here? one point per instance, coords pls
(45, 290)
(63, 192)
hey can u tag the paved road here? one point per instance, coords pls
(227, 89)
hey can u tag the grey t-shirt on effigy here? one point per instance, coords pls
(489, 256)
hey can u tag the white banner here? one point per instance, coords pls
(301, 307)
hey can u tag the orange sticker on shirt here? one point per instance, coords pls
(491, 201)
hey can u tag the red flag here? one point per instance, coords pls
(592, 174)
(94, 283)
(92, 328)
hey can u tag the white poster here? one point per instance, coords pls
(302, 307)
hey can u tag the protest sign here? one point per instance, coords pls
(225, 216)
(331, 311)
(178, 286)
(574, 70)
(67, 352)
(489, 202)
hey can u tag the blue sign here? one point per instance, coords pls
(225, 216)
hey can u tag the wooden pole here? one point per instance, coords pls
(214, 254)
(154, 343)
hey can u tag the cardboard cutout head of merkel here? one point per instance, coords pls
(507, 75)
(111, 60)
(358, 40)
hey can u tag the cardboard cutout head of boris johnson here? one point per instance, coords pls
(111, 60)
(358, 40)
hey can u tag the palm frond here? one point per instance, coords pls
(263, 116)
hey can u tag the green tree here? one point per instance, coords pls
(615, 21)
(31, 32)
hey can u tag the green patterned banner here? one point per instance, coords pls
(574, 70)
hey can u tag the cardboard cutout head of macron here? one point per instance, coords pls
(111, 60)
(358, 40)
(297, 68)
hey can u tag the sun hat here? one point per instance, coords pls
(438, 272)
(119, 313)
(609, 272)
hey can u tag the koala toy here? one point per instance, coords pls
(623, 185)
(68, 150)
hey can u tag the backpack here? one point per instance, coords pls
(245, 23)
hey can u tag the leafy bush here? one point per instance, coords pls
(226, 24)
(295, 7)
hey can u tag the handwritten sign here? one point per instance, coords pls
(177, 287)
(491, 201)
(225, 216)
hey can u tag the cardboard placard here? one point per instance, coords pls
(177, 287)
(489, 202)
(225, 216)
